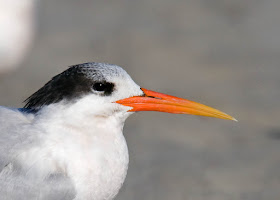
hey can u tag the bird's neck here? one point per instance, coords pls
(88, 147)
(84, 116)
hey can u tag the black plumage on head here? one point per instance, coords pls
(76, 81)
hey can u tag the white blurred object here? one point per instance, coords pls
(16, 32)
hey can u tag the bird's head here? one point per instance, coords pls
(106, 89)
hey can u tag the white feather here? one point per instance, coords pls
(67, 150)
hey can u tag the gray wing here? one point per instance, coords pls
(15, 184)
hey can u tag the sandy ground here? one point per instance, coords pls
(225, 54)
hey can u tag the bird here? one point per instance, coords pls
(67, 141)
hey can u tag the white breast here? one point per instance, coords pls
(92, 152)
(98, 165)
(81, 141)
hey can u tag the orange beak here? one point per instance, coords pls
(154, 101)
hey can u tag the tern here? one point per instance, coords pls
(67, 141)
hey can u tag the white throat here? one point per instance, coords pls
(86, 145)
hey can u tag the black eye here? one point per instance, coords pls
(99, 87)
(105, 87)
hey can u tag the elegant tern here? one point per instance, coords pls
(67, 141)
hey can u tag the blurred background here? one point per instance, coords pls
(223, 53)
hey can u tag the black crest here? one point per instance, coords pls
(71, 84)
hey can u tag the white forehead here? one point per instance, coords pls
(124, 84)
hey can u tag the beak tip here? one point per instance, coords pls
(234, 119)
